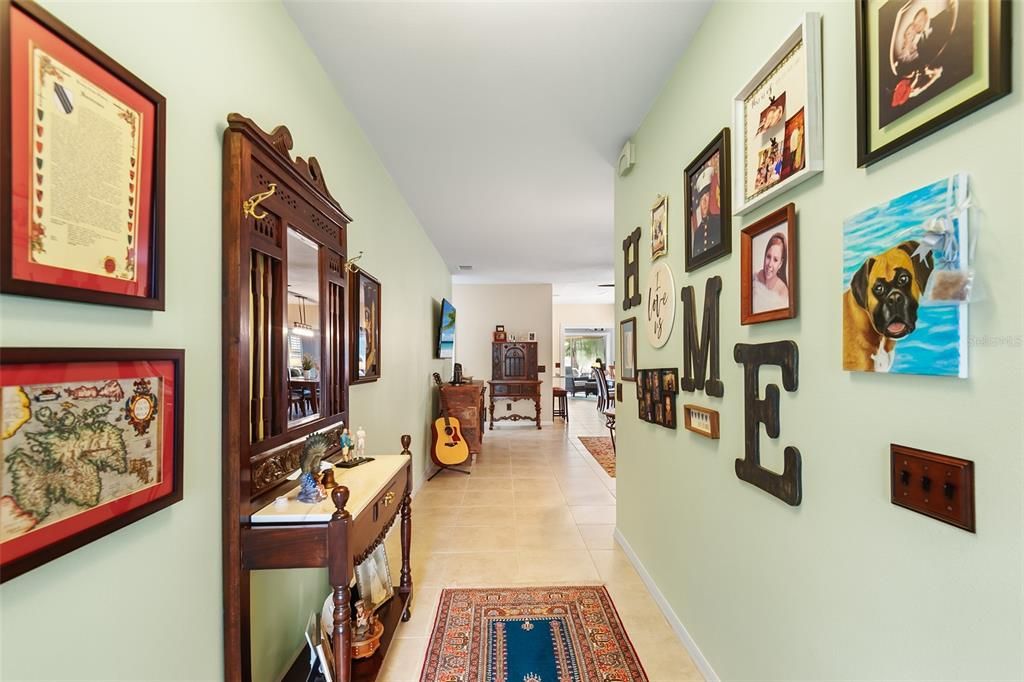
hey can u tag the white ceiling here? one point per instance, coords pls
(501, 122)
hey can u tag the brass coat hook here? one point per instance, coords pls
(249, 205)
(350, 264)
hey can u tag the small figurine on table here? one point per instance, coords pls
(363, 616)
(346, 445)
(360, 442)
(310, 488)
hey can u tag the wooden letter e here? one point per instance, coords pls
(785, 486)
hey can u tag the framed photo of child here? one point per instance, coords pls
(923, 64)
(768, 268)
(708, 212)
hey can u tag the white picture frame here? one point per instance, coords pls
(763, 157)
(373, 579)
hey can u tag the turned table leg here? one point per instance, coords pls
(536, 403)
(338, 575)
(405, 585)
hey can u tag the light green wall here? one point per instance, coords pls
(145, 602)
(847, 585)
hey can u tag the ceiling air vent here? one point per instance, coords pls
(464, 268)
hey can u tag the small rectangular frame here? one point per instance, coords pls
(701, 420)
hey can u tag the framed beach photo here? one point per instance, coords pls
(627, 346)
(82, 190)
(777, 120)
(768, 268)
(708, 209)
(659, 227)
(92, 442)
(923, 64)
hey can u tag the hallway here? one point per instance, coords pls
(537, 510)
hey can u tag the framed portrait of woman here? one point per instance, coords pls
(365, 327)
(768, 268)
(923, 64)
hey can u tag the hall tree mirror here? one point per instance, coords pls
(304, 328)
(286, 367)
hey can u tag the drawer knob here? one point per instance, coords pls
(389, 497)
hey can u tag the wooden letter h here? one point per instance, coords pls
(631, 270)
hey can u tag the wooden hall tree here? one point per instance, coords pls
(286, 376)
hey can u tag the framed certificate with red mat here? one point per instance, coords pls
(82, 187)
(91, 442)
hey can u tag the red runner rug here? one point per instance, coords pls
(601, 448)
(530, 634)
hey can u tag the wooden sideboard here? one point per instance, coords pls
(515, 390)
(465, 402)
(514, 377)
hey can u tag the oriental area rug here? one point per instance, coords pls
(529, 634)
(601, 448)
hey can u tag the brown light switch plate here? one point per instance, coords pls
(935, 485)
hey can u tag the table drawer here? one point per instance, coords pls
(376, 517)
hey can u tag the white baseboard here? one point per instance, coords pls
(691, 646)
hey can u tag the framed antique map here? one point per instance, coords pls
(91, 442)
(777, 120)
(82, 216)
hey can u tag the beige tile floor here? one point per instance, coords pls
(537, 510)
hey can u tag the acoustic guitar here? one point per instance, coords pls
(450, 447)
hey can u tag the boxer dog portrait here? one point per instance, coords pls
(880, 307)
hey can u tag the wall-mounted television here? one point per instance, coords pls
(446, 331)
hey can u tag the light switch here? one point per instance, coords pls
(935, 485)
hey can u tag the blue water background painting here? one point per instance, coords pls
(939, 343)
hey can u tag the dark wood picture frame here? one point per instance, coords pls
(175, 434)
(621, 371)
(156, 152)
(785, 216)
(656, 391)
(999, 84)
(358, 277)
(721, 146)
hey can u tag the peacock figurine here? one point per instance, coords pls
(310, 488)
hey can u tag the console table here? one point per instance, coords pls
(339, 533)
(515, 389)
